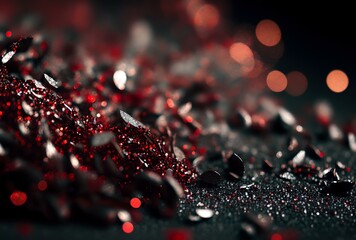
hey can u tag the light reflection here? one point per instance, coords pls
(120, 79)
(337, 81)
(268, 33)
(74, 161)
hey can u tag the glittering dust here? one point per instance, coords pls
(85, 152)
(112, 143)
(287, 176)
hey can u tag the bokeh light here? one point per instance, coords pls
(135, 202)
(268, 33)
(276, 236)
(337, 81)
(8, 34)
(207, 17)
(18, 198)
(127, 227)
(276, 81)
(42, 185)
(120, 79)
(243, 55)
(297, 83)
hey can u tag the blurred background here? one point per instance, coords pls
(304, 42)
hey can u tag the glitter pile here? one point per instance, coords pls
(49, 151)
(58, 163)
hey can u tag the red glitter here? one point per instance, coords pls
(18, 198)
(127, 227)
(91, 99)
(72, 133)
(145, 150)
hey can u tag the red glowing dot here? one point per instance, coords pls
(135, 202)
(42, 185)
(276, 236)
(127, 227)
(8, 34)
(18, 198)
(91, 99)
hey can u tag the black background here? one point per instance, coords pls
(319, 36)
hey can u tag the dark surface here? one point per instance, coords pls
(317, 39)
(297, 206)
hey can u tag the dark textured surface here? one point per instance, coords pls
(295, 206)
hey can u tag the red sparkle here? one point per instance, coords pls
(276, 236)
(42, 185)
(91, 99)
(18, 198)
(8, 34)
(135, 202)
(127, 227)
